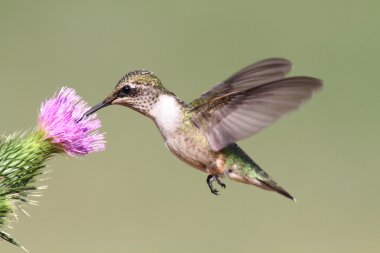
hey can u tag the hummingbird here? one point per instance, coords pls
(204, 132)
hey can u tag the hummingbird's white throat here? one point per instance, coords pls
(167, 114)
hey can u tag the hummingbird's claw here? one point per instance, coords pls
(212, 178)
(220, 182)
(215, 191)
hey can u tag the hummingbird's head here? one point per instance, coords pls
(138, 90)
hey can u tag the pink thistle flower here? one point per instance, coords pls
(60, 120)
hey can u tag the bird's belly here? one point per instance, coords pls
(192, 152)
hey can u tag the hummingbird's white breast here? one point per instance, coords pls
(189, 147)
(167, 114)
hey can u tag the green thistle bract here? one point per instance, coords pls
(22, 156)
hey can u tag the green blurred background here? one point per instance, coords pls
(136, 196)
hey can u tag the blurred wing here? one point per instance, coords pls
(236, 115)
(261, 72)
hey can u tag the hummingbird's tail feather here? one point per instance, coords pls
(256, 176)
(276, 187)
(260, 178)
(240, 167)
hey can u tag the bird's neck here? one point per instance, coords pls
(167, 112)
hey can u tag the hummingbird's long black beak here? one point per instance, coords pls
(94, 109)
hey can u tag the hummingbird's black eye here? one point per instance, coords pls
(125, 90)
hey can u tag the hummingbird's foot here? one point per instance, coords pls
(220, 182)
(212, 178)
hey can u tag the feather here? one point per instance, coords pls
(253, 75)
(249, 101)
